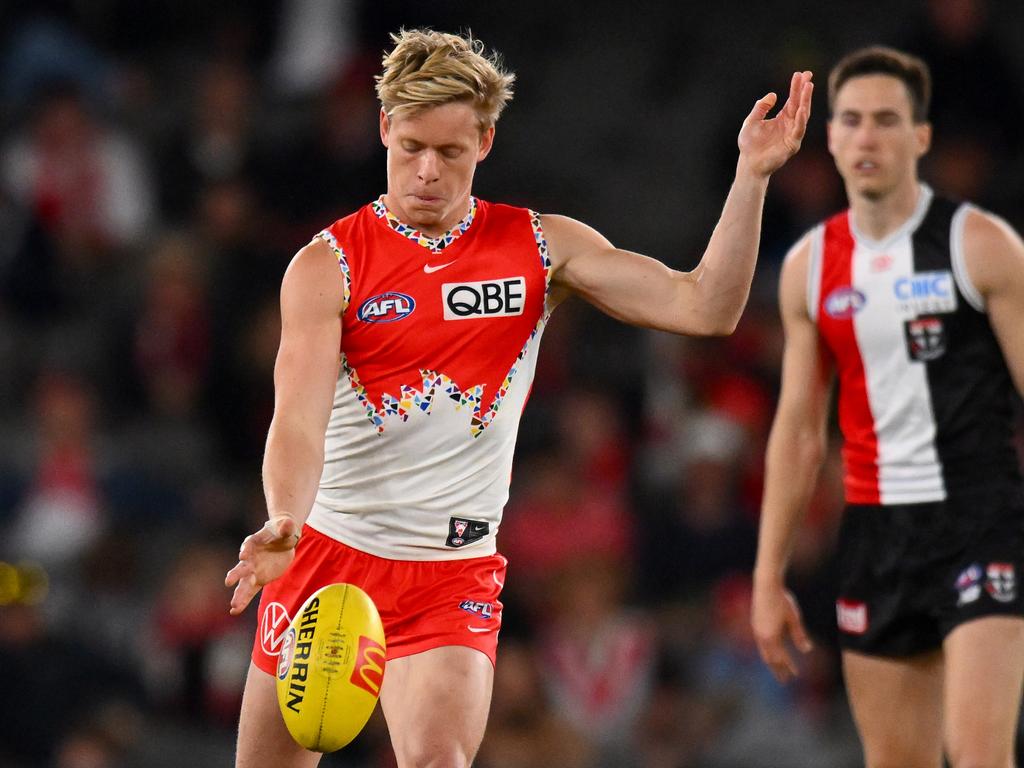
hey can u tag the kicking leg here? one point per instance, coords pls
(263, 739)
(436, 705)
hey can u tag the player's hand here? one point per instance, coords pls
(775, 619)
(262, 557)
(766, 144)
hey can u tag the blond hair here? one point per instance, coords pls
(427, 68)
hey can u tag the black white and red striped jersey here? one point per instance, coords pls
(925, 396)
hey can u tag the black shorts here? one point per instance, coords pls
(910, 574)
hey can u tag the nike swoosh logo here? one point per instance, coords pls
(429, 269)
(480, 629)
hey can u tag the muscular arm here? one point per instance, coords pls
(796, 449)
(710, 299)
(305, 375)
(312, 297)
(994, 254)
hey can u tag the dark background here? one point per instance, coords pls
(160, 163)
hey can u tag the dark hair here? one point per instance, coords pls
(880, 60)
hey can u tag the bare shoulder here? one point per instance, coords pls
(794, 276)
(314, 280)
(993, 251)
(566, 236)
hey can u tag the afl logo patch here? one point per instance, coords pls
(844, 302)
(386, 307)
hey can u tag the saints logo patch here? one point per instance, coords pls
(926, 338)
(1001, 582)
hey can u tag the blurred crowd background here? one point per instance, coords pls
(160, 162)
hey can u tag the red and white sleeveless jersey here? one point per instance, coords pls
(925, 397)
(438, 348)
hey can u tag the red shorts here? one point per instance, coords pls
(422, 604)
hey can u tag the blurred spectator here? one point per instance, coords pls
(59, 687)
(315, 40)
(42, 50)
(218, 142)
(598, 654)
(172, 334)
(336, 166)
(960, 44)
(86, 184)
(557, 521)
(699, 533)
(62, 511)
(526, 731)
(199, 654)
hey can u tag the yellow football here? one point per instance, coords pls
(331, 667)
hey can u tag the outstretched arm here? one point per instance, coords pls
(796, 449)
(305, 374)
(710, 299)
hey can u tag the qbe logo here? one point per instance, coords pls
(386, 307)
(504, 297)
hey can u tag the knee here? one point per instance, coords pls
(980, 755)
(434, 756)
(969, 760)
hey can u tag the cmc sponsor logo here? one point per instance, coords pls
(925, 292)
(504, 297)
(845, 302)
(924, 285)
(368, 672)
(386, 307)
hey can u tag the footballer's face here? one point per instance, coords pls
(432, 156)
(873, 137)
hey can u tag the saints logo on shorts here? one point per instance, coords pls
(1001, 582)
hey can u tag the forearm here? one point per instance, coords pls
(792, 464)
(292, 466)
(726, 270)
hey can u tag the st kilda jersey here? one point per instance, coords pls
(925, 396)
(438, 347)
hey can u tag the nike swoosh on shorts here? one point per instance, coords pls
(479, 629)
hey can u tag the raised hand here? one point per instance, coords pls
(262, 557)
(767, 143)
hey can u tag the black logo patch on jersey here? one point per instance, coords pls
(462, 531)
(926, 338)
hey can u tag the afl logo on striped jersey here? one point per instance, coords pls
(386, 307)
(844, 302)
